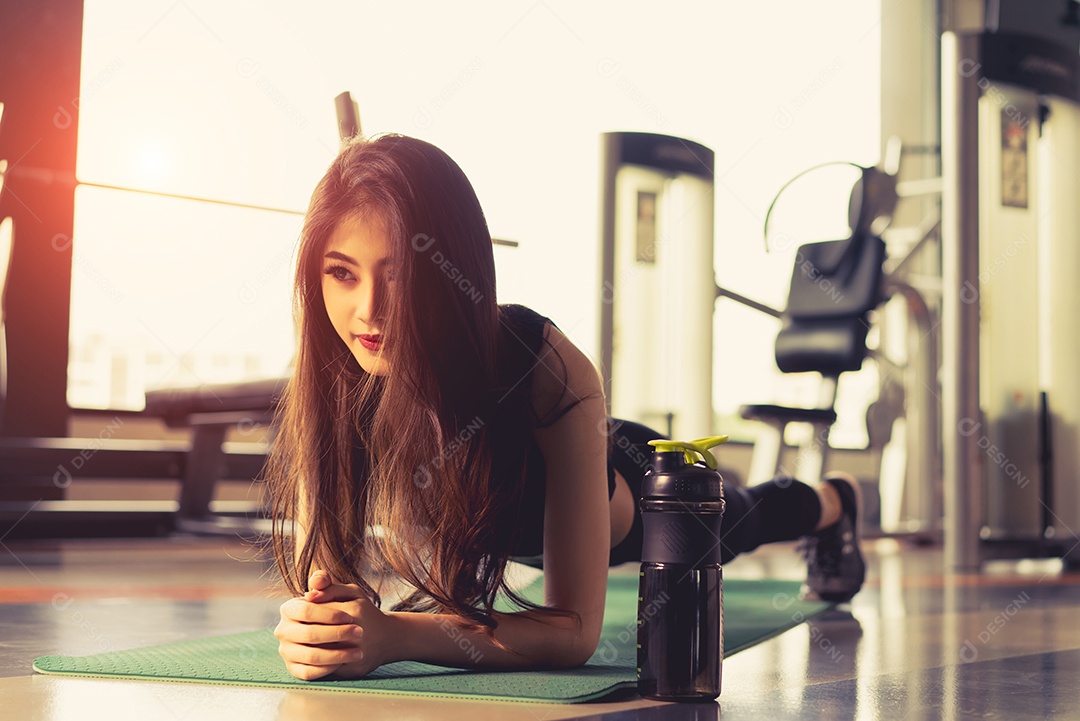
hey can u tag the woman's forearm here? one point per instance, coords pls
(541, 640)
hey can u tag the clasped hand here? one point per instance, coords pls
(332, 629)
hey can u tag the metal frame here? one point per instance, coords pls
(960, 315)
(654, 151)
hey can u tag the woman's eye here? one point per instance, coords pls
(339, 273)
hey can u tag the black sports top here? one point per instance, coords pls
(523, 337)
(528, 327)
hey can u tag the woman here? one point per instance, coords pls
(430, 433)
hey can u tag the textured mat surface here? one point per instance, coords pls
(753, 611)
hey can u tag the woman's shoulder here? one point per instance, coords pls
(525, 323)
(559, 371)
(515, 312)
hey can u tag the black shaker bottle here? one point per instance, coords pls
(680, 598)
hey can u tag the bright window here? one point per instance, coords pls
(234, 102)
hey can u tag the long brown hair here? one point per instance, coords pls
(433, 453)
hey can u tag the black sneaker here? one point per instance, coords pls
(835, 566)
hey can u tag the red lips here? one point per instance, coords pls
(370, 342)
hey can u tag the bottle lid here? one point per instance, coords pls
(692, 449)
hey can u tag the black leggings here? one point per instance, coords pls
(780, 510)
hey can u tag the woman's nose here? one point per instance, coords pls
(371, 302)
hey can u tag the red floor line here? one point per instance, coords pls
(49, 594)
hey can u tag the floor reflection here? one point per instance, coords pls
(915, 643)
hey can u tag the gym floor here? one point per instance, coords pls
(916, 643)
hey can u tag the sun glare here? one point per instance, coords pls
(152, 161)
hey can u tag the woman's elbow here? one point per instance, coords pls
(579, 652)
(568, 644)
(580, 658)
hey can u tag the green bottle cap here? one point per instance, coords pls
(699, 447)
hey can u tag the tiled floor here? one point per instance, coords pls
(916, 644)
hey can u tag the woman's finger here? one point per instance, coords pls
(297, 609)
(317, 633)
(305, 672)
(335, 592)
(317, 655)
(318, 580)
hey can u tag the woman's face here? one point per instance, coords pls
(354, 286)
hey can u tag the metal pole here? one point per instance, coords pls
(963, 472)
(921, 411)
(609, 166)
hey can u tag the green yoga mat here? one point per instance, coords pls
(753, 612)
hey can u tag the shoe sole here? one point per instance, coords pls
(834, 481)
